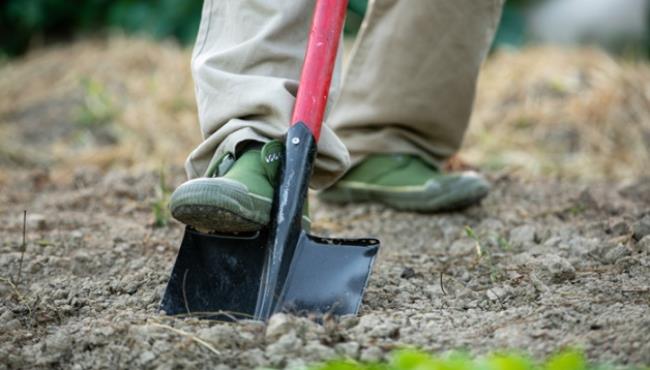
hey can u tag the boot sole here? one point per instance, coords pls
(220, 205)
(426, 199)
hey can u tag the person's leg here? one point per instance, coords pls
(410, 84)
(409, 90)
(246, 64)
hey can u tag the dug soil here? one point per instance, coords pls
(539, 266)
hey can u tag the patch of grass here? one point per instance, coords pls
(97, 108)
(416, 360)
(483, 254)
(504, 243)
(472, 235)
(160, 205)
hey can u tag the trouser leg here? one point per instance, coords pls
(246, 65)
(411, 81)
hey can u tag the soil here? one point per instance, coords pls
(544, 263)
(550, 264)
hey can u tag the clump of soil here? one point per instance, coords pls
(548, 264)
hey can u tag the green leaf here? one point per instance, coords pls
(569, 360)
(509, 362)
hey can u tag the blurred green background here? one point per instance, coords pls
(33, 23)
(26, 24)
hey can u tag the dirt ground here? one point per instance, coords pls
(558, 255)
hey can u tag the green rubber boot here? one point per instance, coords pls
(406, 182)
(237, 200)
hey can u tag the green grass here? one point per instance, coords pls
(160, 203)
(416, 360)
(97, 108)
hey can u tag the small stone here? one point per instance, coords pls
(317, 352)
(58, 342)
(407, 273)
(278, 325)
(36, 221)
(556, 269)
(586, 200)
(6, 316)
(618, 227)
(626, 263)
(491, 295)
(496, 293)
(11, 325)
(348, 349)
(522, 236)
(642, 228)
(76, 236)
(288, 345)
(376, 326)
(146, 357)
(644, 244)
(371, 354)
(580, 246)
(348, 321)
(616, 253)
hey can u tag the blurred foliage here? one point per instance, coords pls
(417, 360)
(27, 23)
(97, 108)
(24, 23)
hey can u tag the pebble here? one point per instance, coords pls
(619, 227)
(555, 269)
(318, 352)
(278, 325)
(522, 236)
(616, 253)
(371, 354)
(642, 228)
(288, 345)
(374, 326)
(146, 357)
(407, 273)
(644, 244)
(36, 221)
(348, 349)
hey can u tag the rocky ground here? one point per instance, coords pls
(558, 255)
(539, 266)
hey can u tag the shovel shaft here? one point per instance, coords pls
(318, 66)
(285, 228)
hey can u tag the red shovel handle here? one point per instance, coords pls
(317, 70)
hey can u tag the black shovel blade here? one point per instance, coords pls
(215, 276)
(218, 276)
(327, 276)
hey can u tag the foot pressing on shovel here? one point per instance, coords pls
(236, 195)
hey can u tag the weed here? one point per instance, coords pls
(97, 108)
(160, 205)
(483, 254)
(503, 243)
(471, 234)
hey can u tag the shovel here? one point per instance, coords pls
(281, 268)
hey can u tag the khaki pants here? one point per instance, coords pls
(409, 86)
